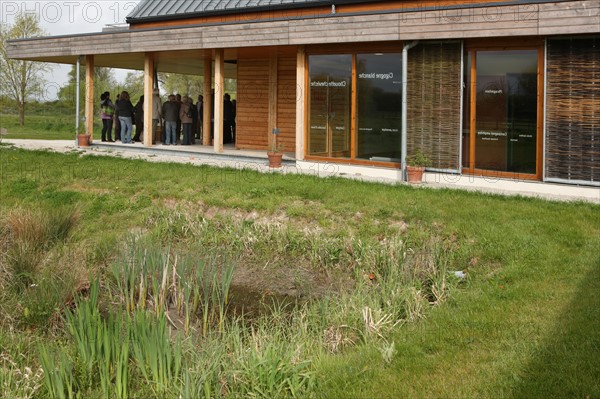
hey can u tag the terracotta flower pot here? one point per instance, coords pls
(274, 159)
(83, 140)
(414, 174)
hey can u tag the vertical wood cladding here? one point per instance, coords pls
(286, 102)
(252, 116)
(433, 109)
(573, 109)
(253, 103)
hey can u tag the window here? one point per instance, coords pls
(379, 103)
(330, 86)
(376, 103)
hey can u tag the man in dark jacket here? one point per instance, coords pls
(200, 109)
(125, 112)
(170, 113)
(139, 119)
(227, 118)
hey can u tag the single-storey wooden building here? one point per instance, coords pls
(507, 88)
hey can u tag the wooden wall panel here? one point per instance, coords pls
(429, 23)
(434, 88)
(286, 102)
(252, 116)
(573, 109)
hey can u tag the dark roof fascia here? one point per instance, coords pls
(244, 10)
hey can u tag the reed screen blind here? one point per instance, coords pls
(573, 109)
(434, 97)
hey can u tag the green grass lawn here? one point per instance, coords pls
(525, 323)
(43, 127)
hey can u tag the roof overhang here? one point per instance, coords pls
(181, 49)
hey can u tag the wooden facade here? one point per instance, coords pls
(253, 104)
(270, 50)
(533, 19)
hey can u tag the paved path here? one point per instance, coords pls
(256, 160)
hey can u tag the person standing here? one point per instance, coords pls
(139, 119)
(194, 120)
(170, 112)
(116, 122)
(156, 112)
(200, 109)
(107, 113)
(227, 118)
(178, 99)
(185, 114)
(125, 110)
(233, 118)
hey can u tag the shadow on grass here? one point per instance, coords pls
(568, 364)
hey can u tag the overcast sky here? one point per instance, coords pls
(66, 17)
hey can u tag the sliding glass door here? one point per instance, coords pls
(330, 86)
(505, 106)
(379, 107)
(355, 106)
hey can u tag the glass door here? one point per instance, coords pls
(329, 107)
(505, 102)
(379, 107)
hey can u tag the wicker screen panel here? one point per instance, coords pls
(433, 109)
(573, 109)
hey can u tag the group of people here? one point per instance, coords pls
(121, 114)
(181, 119)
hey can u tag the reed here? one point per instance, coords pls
(87, 329)
(58, 373)
(189, 285)
(158, 358)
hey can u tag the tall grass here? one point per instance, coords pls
(147, 277)
(271, 359)
(30, 235)
(16, 381)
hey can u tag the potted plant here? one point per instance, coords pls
(415, 166)
(83, 139)
(275, 153)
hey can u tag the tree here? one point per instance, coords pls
(20, 80)
(134, 85)
(190, 84)
(174, 83)
(103, 81)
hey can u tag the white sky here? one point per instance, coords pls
(66, 17)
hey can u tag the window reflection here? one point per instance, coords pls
(330, 81)
(379, 103)
(506, 110)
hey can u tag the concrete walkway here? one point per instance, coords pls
(257, 161)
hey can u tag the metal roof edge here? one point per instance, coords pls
(243, 10)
